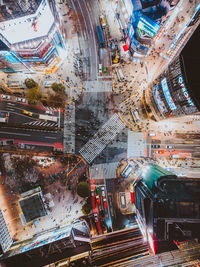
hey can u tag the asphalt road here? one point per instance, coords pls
(16, 109)
(85, 17)
(31, 135)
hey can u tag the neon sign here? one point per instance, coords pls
(167, 94)
(184, 90)
(159, 102)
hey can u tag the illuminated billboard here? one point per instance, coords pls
(147, 26)
(28, 27)
(167, 94)
(9, 56)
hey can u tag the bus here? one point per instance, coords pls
(48, 118)
(167, 208)
(100, 37)
(120, 74)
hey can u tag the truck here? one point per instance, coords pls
(48, 118)
(100, 37)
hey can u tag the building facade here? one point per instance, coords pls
(174, 93)
(29, 44)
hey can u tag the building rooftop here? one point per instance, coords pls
(33, 207)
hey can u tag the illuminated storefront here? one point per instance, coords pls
(34, 42)
(175, 92)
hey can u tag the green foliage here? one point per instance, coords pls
(34, 95)
(86, 208)
(30, 83)
(83, 189)
(58, 88)
(56, 100)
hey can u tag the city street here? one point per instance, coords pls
(102, 129)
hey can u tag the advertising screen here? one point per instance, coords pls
(167, 94)
(148, 26)
(160, 104)
(28, 27)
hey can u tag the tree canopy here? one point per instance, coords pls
(86, 208)
(34, 95)
(83, 189)
(30, 83)
(58, 88)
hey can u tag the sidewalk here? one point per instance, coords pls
(109, 11)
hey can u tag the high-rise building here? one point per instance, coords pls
(5, 238)
(31, 35)
(175, 92)
(50, 246)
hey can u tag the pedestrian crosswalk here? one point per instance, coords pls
(49, 108)
(97, 86)
(102, 138)
(69, 128)
(42, 124)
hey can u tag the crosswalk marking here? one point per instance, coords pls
(42, 123)
(102, 138)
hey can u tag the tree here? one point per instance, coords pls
(34, 95)
(58, 88)
(83, 189)
(30, 83)
(86, 208)
(56, 100)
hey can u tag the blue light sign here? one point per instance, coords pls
(148, 26)
(160, 104)
(131, 31)
(184, 90)
(167, 94)
(8, 56)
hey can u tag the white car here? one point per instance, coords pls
(100, 68)
(168, 146)
(19, 99)
(49, 112)
(103, 191)
(102, 20)
(5, 97)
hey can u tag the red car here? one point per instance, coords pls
(105, 203)
(97, 199)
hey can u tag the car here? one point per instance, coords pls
(92, 193)
(19, 99)
(97, 190)
(104, 70)
(100, 68)
(5, 97)
(102, 20)
(105, 203)
(169, 146)
(28, 113)
(155, 146)
(112, 45)
(151, 134)
(96, 217)
(103, 191)
(97, 199)
(49, 112)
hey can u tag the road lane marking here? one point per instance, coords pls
(50, 137)
(15, 133)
